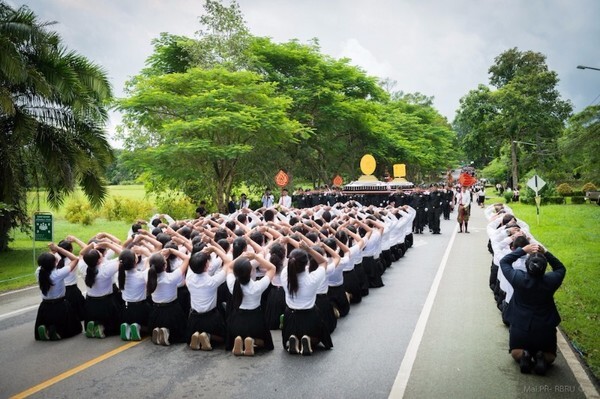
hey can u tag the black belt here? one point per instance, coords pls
(99, 297)
(55, 300)
(194, 312)
(162, 305)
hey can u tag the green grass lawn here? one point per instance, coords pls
(570, 232)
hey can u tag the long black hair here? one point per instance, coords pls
(46, 261)
(91, 259)
(242, 269)
(296, 265)
(127, 261)
(277, 255)
(157, 265)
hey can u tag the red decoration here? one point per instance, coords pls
(281, 178)
(466, 180)
(337, 180)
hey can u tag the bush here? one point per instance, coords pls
(178, 206)
(508, 196)
(577, 200)
(578, 193)
(79, 211)
(553, 200)
(564, 189)
(126, 209)
(589, 187)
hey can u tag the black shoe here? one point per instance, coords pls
(526, 363)
(540, 363)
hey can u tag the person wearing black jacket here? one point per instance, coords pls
(532, 312)
(419, 202)
(436, 199)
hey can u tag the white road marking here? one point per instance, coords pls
(18, 312)
(403, 375)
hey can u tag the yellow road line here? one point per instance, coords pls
(75, 370)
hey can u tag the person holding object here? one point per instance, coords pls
(463, 200)
(532, 312)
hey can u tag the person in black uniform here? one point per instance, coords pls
(447, 202)
(532, 313)
(436, 199)
(419, 201)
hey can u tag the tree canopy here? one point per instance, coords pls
(52, 114)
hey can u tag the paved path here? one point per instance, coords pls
(464, 347)
(438, 291)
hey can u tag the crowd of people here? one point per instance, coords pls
(523, 291)
(224, 280)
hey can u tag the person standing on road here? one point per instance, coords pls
(532, 312)
(463, 200)
(56, 319)
(436, 200)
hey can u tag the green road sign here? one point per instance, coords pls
(42, 227)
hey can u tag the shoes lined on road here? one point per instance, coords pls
(306, 349)
(134, 332)
(249, 346)
(155, 336)
(293, 345)
(540, 363)
(195, 342)
(125, 331)
(99, 331)
(43, 333)
(204, 341)
(90, 327)
(238, 346)
(525, 363)
(54, 336)
(163, 336)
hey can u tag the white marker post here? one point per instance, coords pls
(536, 184)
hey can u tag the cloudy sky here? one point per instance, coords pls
(441, 48)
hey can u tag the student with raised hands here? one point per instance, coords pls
(246, 327)
(303, 326)
(132, 282)
(205, 325)
(56, 319)
(166, 320)
(101, 302)
(335, 279)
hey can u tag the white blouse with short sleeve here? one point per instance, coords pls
(252, 291)
(308, 283)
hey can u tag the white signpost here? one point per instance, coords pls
(536, 184)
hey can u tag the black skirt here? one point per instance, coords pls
(75, 297)
(209, 322)
(326, 311)
(538, 338)
(183, 296)
(57, 315)
(305, 322)
(169, 315)
(337, 297)
(352, 285)
(362, 279)
(373, 270)
(136, 312)
(248, 323)
(275, 307)
(103, 310)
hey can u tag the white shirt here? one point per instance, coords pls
(57, 277)
(464, 198)
(285, 201)
(252, 291)
(203, 289)
(267, 200)
(104, 279)
(166, 286)
(336, 277)
(308, 283)
(135, 285)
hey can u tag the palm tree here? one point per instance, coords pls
(53, 107)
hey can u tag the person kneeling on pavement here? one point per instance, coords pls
(532, 312)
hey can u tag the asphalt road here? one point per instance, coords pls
(462, 354)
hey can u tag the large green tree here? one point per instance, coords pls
(580, 145)
(526, 107)
(52, 113)
(206, 125)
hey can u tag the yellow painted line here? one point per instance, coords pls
(76, 370)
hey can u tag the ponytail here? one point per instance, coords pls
(157, 266)
(66, 245)
(126, 262)
(241, 270)
(91, 258)
(296, 265)
(46, 262)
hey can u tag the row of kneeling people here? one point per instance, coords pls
(223, 279)
(523, 290)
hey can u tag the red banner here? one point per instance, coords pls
(281, 178)
(466, 180)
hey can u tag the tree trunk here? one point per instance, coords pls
(513, 155)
